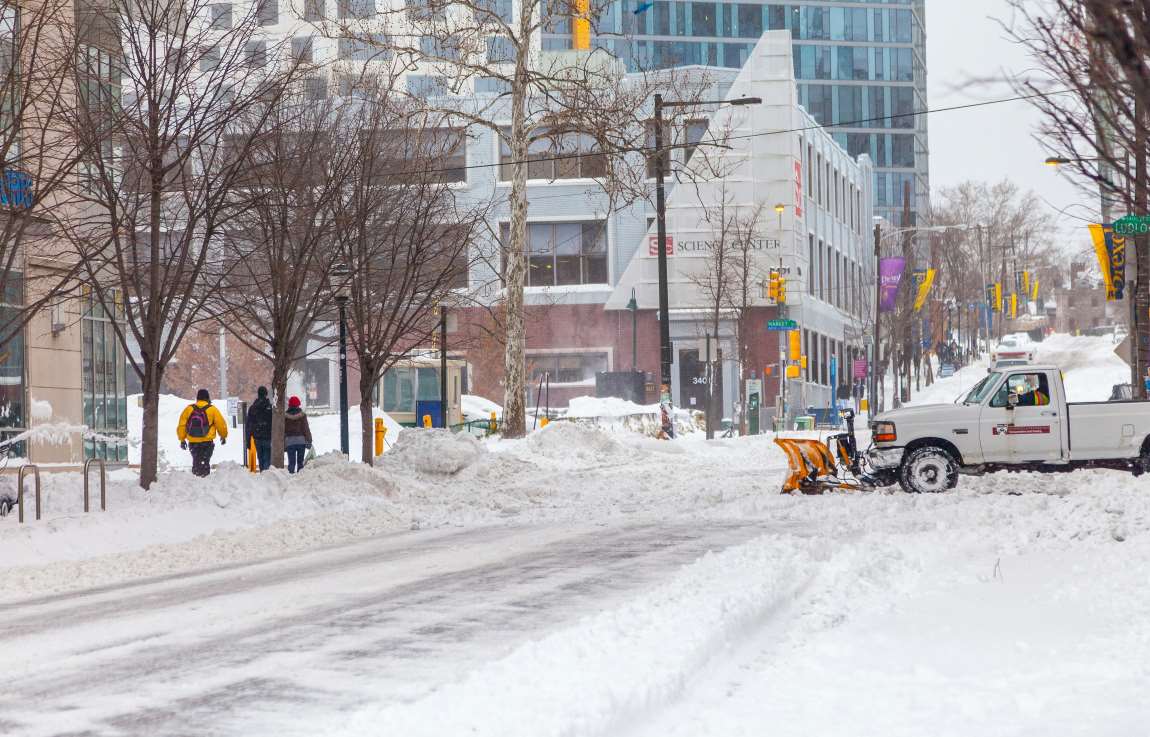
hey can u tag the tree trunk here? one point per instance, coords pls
(515, 274)
(279, 404)
(367, 381)
(149, 434)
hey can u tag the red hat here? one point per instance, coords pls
(293, 401)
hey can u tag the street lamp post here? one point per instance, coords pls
(665, 354)
(633, 306)
(339, 274)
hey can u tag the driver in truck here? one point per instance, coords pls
(1031, 394)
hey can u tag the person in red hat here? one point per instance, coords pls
(297, 435)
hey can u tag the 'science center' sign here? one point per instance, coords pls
(700, 245)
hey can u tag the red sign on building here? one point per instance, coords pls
(653, 245)
(860, 367)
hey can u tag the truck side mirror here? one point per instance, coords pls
(1011, 400)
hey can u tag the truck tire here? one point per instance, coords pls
(928, 470)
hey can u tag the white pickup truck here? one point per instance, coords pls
(1015, 419)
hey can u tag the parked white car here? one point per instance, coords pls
(1015, 419)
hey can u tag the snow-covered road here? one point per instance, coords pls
(583, 583)
(279, 647)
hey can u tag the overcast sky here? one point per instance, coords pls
(997, 141)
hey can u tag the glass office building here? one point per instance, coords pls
(861, 66)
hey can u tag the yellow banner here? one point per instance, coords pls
(1098, 234)
(1034, 290)
(998, 297)
(1025, 283)
(924, 290)
(1013, 305)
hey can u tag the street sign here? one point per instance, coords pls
(781, 324)
(1132, 225)
(860, 368)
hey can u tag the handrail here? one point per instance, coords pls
(20, 488)
(103, 483)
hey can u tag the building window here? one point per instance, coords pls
(302, 49)
(100, 92)
(317, 382)
(560, 254)
(103, 393)
(221, 16)
(313, 10)
(811, 264)
(552, 156)
(12, 416)
(425, 85)
(566, 368)
(256, 53)
(399, 390)
(356, 8)
(694, 132)
(372, 48)
(268, 12)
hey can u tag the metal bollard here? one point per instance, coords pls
(103, 483)
(20, 487)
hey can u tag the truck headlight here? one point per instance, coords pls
(883, 432)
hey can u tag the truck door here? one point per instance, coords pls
(1030, 432)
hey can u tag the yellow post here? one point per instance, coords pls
(544, 422)
(494, 426)
(427, 421)
(253, 457)
(380, 432)
(864, 405)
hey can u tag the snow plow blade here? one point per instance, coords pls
(813, 467)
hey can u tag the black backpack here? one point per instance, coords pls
(198, 424)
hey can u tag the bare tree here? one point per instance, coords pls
(282, 243)
(554, 113)
(407, 240)
(1093, 89)
(170, 106)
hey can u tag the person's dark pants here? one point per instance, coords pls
(264, 454)
(202, 457)
(295, 455)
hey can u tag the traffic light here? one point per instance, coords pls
(794, 345)
(792, 372)
(774, 286)
(782, 290)
(803, 362)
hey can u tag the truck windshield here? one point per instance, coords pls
(982, 389)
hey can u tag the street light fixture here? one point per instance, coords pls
(339, 282)
(633, 306)
(665, 355)
(780, 208)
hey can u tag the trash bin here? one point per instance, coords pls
(804, 422)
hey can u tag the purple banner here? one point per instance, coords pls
(889, 275)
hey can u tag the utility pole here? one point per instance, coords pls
(1140, 289)
(877, 344)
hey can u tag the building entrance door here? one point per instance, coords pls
(692, 380)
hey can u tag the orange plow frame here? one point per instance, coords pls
(813, 468)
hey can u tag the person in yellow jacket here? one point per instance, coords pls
(199, 425)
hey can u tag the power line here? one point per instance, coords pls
(840, 124)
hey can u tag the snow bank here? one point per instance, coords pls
(566, 440)
(433, 451)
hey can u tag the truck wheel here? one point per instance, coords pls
(928, 470)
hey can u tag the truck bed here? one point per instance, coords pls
(1100, 430)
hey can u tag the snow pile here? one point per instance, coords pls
(475, 407)
(434, 451)
(617, 413)
(567, 440)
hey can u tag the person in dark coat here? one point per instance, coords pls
(297, 435)
(258, 426)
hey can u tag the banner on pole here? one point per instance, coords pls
(1034, 290)
(924, 290)
(1013, 305)
(890, 275)
(1110, 248)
